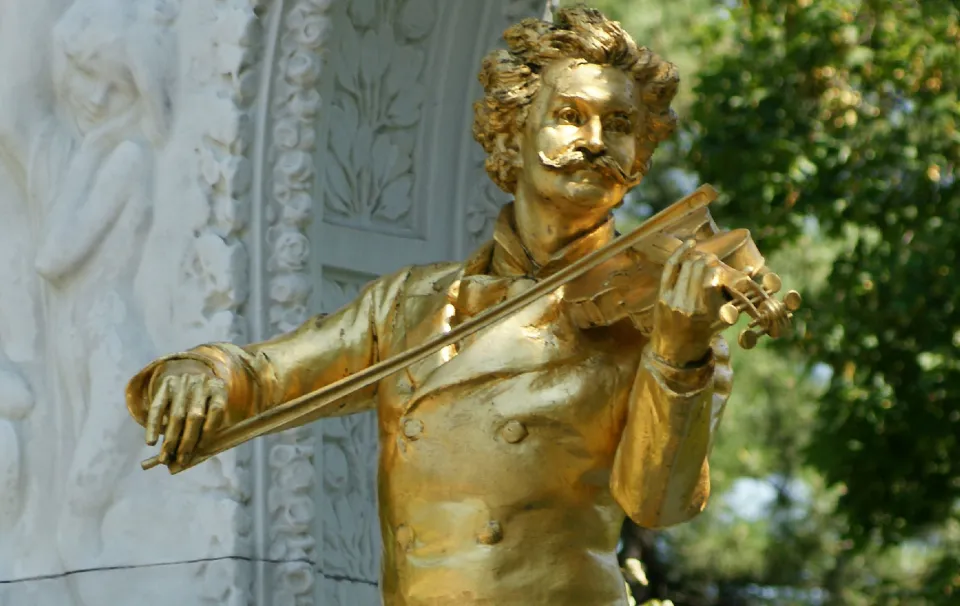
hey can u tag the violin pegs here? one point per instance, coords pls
(748, 339)
(792, 300)
(772, 316)
(729, 313)
(745, 285)
(772, 283)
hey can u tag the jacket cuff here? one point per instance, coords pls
(685, 382)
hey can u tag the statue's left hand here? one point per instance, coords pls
(185, 405)
(687, 312)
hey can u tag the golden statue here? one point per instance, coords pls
(530, 397)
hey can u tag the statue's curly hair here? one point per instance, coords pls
(511, 78)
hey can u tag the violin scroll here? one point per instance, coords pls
(769, 316)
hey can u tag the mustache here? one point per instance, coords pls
(574, 158)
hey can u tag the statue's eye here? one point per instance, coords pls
(619, 123)
(569, 115)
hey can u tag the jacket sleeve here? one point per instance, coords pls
(263, 375)
(661, 476)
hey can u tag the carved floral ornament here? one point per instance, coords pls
(295, 109)
(375, 111)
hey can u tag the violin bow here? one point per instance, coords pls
(289, 414)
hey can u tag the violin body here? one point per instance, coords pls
(627, 287)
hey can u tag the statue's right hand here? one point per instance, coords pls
(184, 407)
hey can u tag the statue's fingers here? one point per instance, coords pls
(668, 276)
(217, 408)
(694, 301)
(178, 411)
(680, 290)
(158, 410)
(713, 294)
(196, 413)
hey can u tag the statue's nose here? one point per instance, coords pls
(593, 141)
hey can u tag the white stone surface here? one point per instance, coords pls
(180, 171)
(216, 583)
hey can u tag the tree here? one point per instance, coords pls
(846, 112)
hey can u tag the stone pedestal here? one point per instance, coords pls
(174, 172)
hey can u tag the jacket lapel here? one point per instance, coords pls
(513, 346)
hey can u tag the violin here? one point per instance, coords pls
(628, 286)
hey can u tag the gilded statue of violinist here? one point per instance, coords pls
(510, 457)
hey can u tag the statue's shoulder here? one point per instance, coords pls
(432, 278)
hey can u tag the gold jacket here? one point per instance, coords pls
(507, 464)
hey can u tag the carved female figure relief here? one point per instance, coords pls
(16, 402)
(113, 99)
(18, 479)
(18, 340)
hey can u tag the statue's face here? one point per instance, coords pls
(586, 108)
(95, 95)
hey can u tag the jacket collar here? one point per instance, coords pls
(506, 256)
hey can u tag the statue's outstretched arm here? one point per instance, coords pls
(221, 384)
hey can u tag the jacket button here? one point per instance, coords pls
(491, 534)
(412, 428)
(513, 431)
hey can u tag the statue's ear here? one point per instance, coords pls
(511, 145)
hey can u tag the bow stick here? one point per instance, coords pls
(288, 414)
